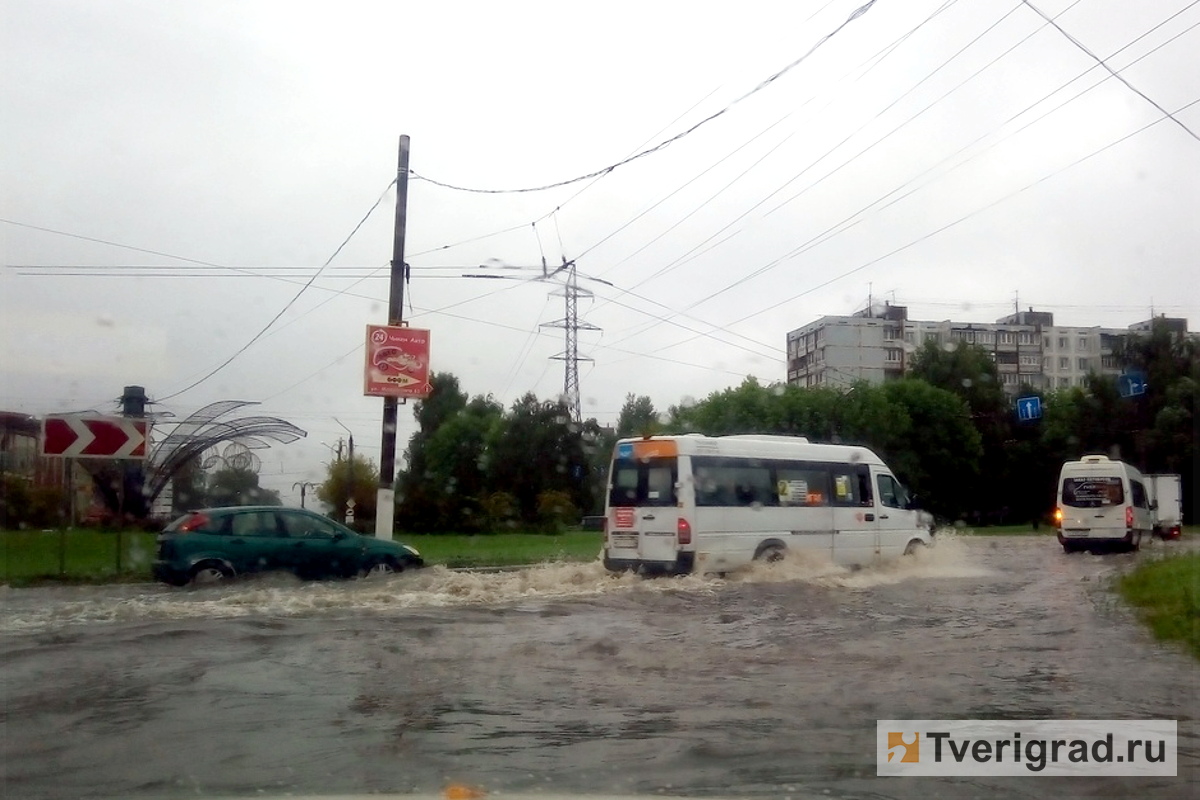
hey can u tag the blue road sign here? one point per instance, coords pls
(625, 450)
(1131, 384)
(1029, 408)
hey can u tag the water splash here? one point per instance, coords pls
(437, 587)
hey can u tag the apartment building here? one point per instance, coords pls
(877, 343)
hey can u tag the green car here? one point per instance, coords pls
(214, 544)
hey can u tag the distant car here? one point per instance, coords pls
(214, 544)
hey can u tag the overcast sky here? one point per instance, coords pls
(957, 157)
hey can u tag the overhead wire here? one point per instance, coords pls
(286, 306)
(679, 261)
(838, 228)
(945, 227)
(1110, 70)
(860, 11)
(866, 67)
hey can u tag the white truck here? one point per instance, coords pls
(1166, 504)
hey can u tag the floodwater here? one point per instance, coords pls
(563, 679)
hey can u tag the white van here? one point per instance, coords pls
(704, 504)
(1101, 502)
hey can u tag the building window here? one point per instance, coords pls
(1006, 337)
(1083, 365)
(1048, 363)
(1032, 361)
(987, 337)
(1064, 343)
(1064, 362)
(891, 333)
(931, 336)
(893, 355)
(1025, 337)
(1082, 344)
(1009, 379)
(1064, 381)
(908, 336)
(1046, 342)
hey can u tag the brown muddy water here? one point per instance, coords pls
(563, 679)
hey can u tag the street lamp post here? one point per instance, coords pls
(303, 489)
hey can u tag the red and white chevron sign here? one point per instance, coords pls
(94, 437)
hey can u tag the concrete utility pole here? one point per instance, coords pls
(133, 476)
(349, 517)
(385, 502)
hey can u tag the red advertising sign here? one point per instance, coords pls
(94, 437)
(397, 362)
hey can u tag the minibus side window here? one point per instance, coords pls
(802, 484)
(891, 493)
(733, 482)
(1138, 490)
(851, 485)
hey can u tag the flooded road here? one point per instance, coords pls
(562, 678)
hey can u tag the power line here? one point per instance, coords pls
(1112, 72)
(842, 226)
(949, 225)
(860, 11)
(288, 305)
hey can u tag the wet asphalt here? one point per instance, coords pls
(568, 680)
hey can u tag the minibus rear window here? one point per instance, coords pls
(643, 482)
(1093, 492)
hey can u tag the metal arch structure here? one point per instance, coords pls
(571, 325)
(204, 430)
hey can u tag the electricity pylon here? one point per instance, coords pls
(570, 292)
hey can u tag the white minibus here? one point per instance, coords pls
(1101, 501)
(703, 504)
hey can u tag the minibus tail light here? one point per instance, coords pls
(1128, 516)
(1058, 516)
(684, 530)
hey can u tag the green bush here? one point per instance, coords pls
(556, 511)
(26, 505)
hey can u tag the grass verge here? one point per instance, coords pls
(504, 549)
(1166, 593)
(82, 555)
(77, 555)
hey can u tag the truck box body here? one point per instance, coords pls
(1166, 502)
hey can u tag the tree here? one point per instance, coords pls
(346, 479)
(539, 448)
(419, 494)
(637, 417)
(189, 487)
(969, 372)
(937, 451)
(454, 475)
(231, 486)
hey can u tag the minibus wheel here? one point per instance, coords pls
(914, 547)
(771, 553)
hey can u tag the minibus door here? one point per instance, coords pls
(642, 509)
(657, 515)
(855, 516)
